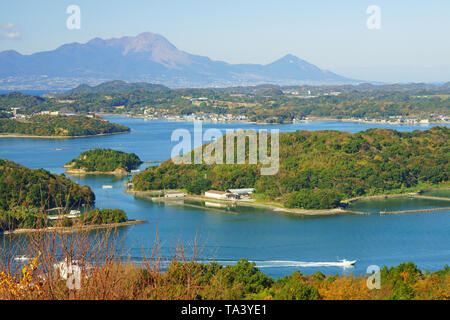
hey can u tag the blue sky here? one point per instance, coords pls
(412, 44)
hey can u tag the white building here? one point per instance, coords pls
(241, 192)
(174, 194)
(216, 194)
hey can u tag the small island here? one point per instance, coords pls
(103, 161)
(46, 126)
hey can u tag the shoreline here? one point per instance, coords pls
(418, 194)
(297, 211)
(75, 228)
(17, 135)
(77, 173)
(310, 119)
(301, 212)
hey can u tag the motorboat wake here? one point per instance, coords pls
(282, 263)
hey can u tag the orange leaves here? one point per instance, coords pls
(25, 287)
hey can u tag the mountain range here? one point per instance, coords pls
(149, 57)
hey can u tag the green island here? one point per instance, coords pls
(58, 126)
(321, 169)
(103, 161)
(37, 199)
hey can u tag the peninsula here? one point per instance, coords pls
(318, 170)
(47, 126)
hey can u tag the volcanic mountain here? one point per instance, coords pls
(150, 57)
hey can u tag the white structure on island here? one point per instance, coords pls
(241, 192)
(221, 195)
(174, 194)
(230, 194)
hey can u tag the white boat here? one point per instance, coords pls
(107, 187)
(21, 258)
(347, 263)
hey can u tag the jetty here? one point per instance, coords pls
(414, 211)
(432, 198)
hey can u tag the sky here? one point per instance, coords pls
(411, 45)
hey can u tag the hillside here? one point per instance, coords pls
(38, 188)
(104, 161)
(115, 86)
(25, 103)
(318, 169)
(62, 126)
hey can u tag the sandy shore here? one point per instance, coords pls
(82, 172)
(15, 135)
(76, 228)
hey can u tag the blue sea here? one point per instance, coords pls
(278, 243)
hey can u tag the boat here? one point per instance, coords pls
(107, 187)
(21, 258)
(347, 263)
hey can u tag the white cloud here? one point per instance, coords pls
(12, 35)
(9, 25)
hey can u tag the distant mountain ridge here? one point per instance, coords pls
(150, 57)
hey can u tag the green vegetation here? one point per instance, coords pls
(103, 216)
(26, 195)
(244, 281)
(264, 103)
(116, 86)
(22, 218)
(318, 169)
(38, 188)
(61, 126)
(34, 218)
(105, 160)
(26, 103)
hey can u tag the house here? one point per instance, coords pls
(238, 193)
(216, 194)
(174, 194)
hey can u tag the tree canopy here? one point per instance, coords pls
(105, 160)
(318, 169)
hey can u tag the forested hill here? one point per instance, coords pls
(318, 169)
(105, 160)
(59, 126)
(38, 188)
(116, 86)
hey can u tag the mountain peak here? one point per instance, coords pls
(290, 59)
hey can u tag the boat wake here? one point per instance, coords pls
(303, 264)
(277, 263)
